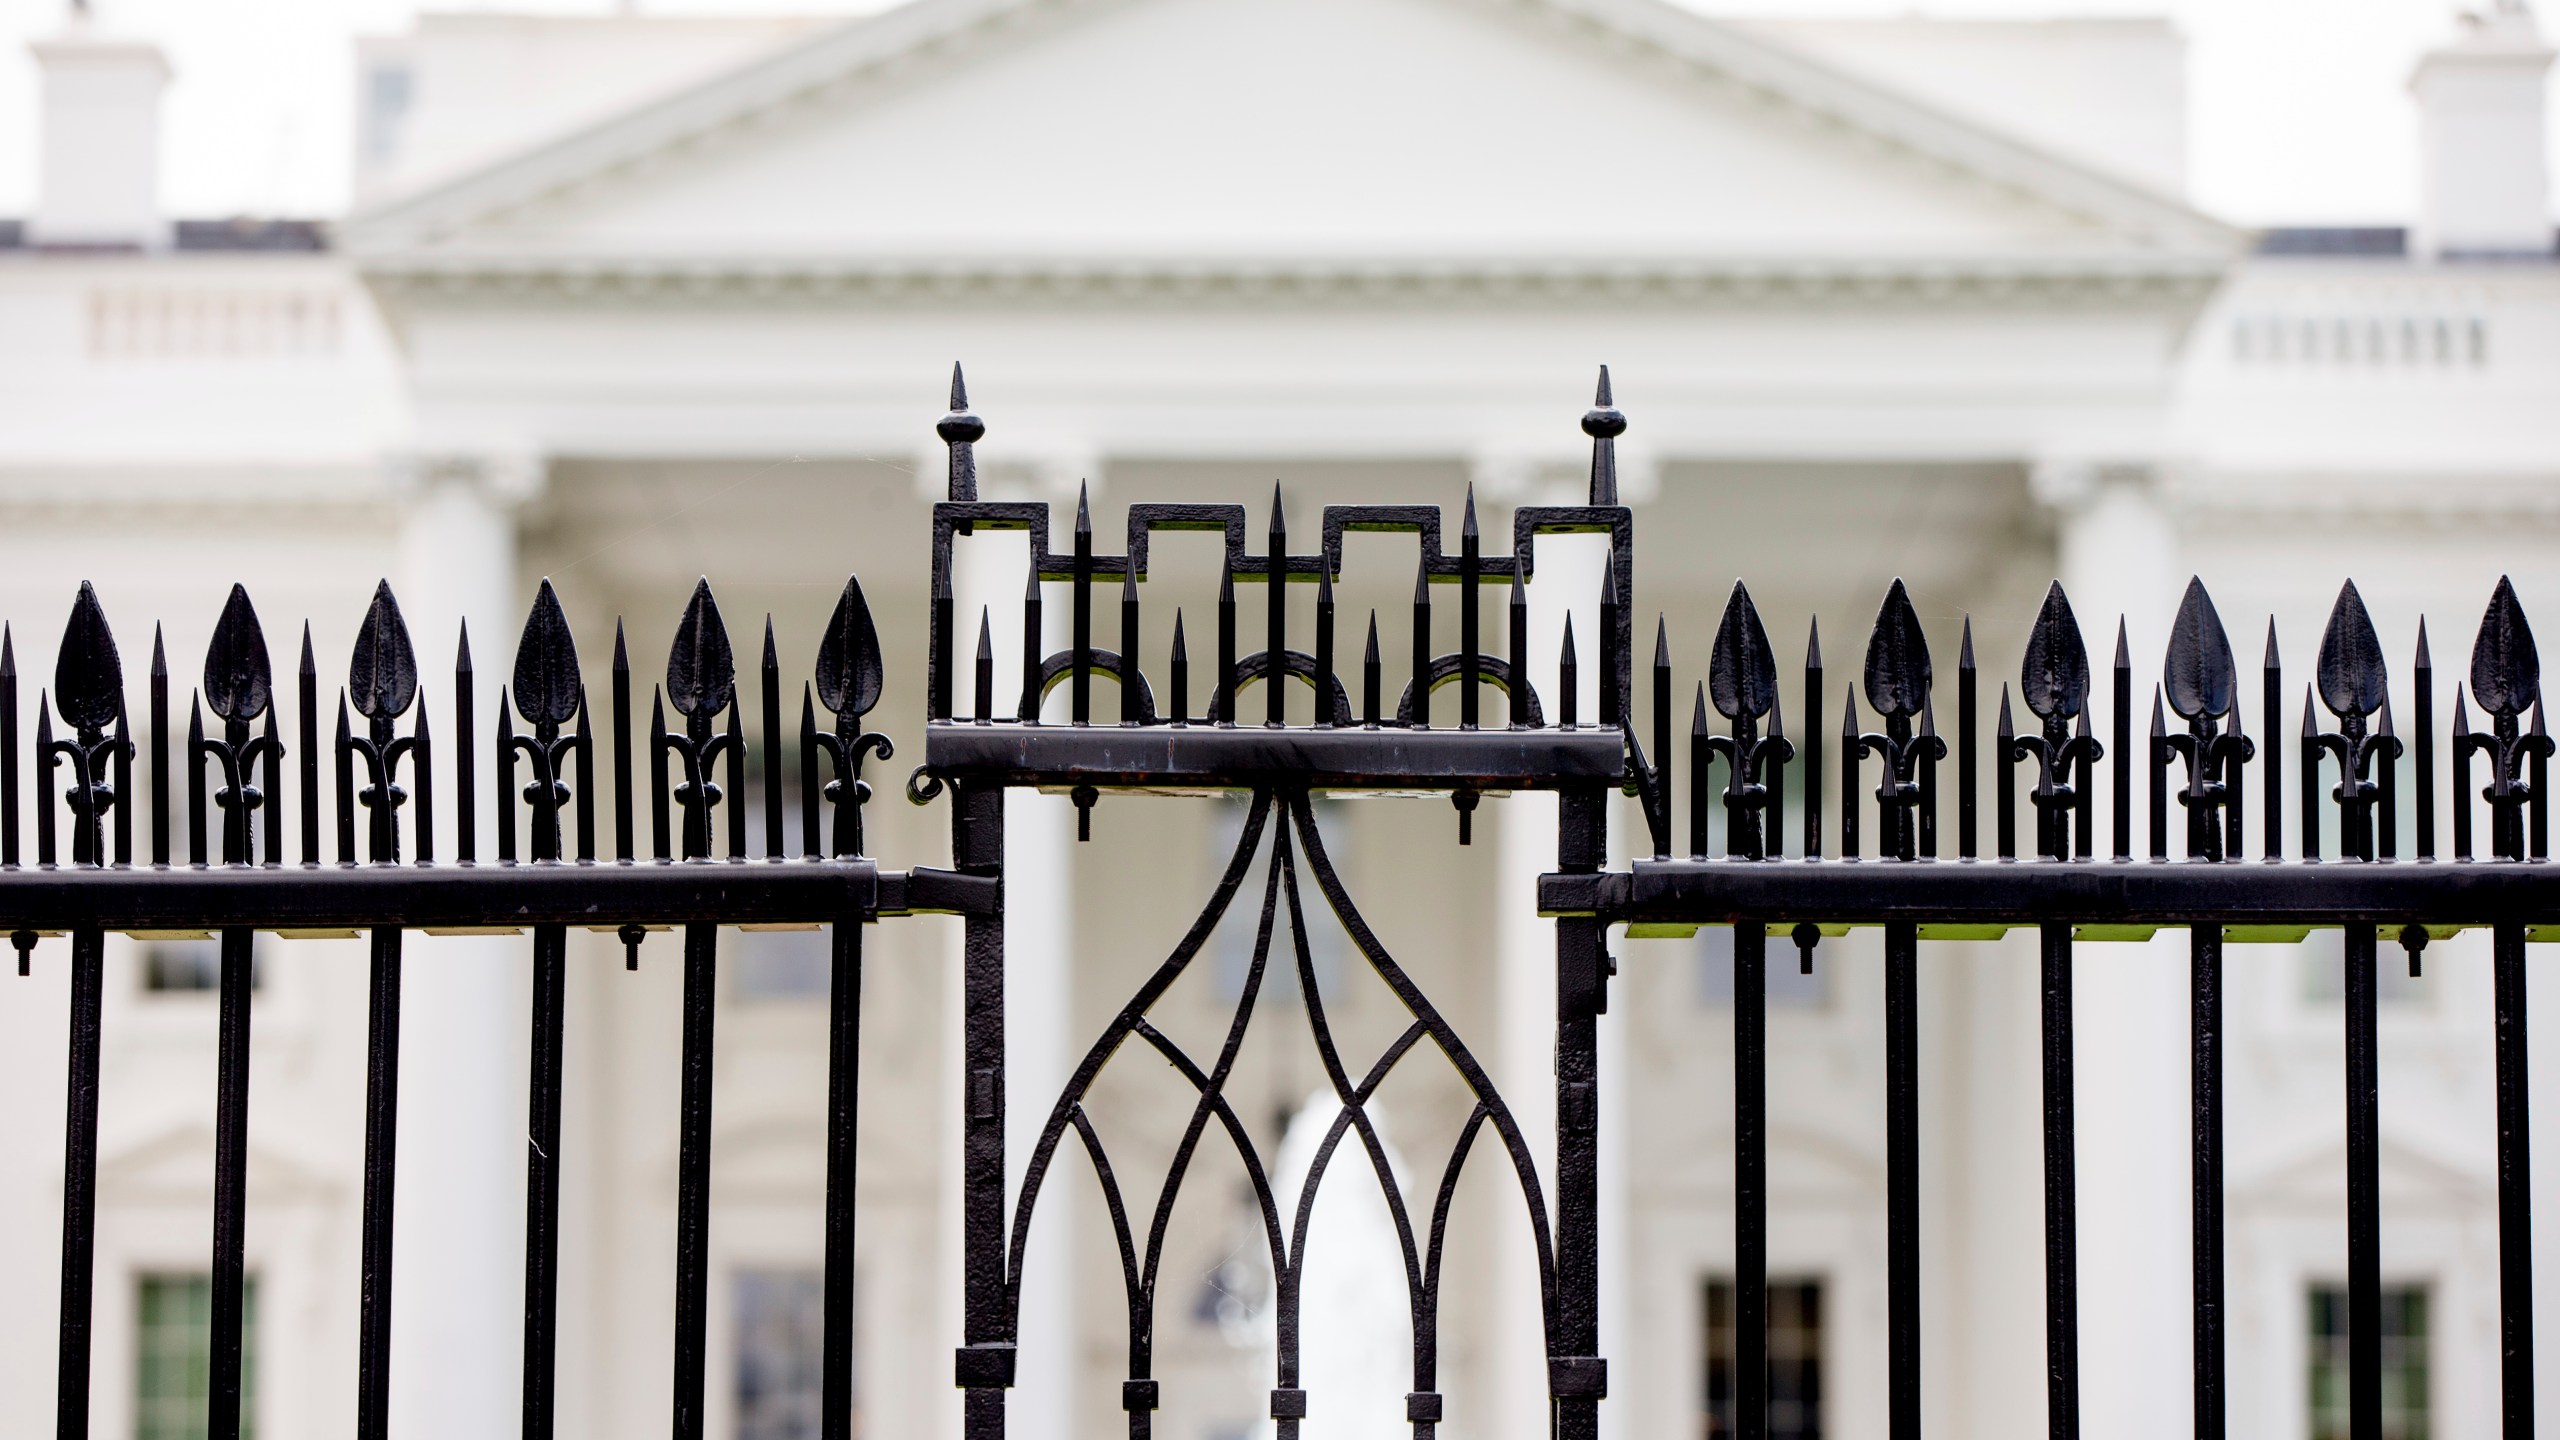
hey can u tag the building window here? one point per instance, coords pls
(172, 1345)
(2324, 972)
(780, 1325)
(1795, 1360)
(1784, 981)
(2405, 1399)
(178, 967)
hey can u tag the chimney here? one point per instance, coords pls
(2484, 178)
(99, 180)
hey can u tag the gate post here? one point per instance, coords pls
(984, 1365)
(1577, 1376)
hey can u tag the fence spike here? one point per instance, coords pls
(345, 770)
(1613, 646)
(1129, 691)
(466, 784)
(1897, 670)
(984, 676)
(702, 674)
(2053, 680)
(2160, 776)
(1698, 802)
(1604, 424)
(2461, 776)
(1179, 662)
(2272, 690)
(2353, 680)
(2122, 738)
(1327, 670)
(1568, 679)
(1275, 671)
(1080, 611)
(1849, 768)
(1420, 718)
(9, 750)
(1967, 722)
(1813, 740)
(961, 431)
(769, 692)
(812, 846)
(1470, 637)
(2423, 698)
(159, 747)
(1032, 656)
(1222, 698)
(624, 819)
(308, 692)
(45, 818)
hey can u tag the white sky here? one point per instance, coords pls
(2299, 108)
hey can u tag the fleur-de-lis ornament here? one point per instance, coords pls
(2354, 683)
(547, 692)
(382, 682)
(238, 685)
(2202, 682)
(849, 678)
(702, 679)
(2506, 677)
(1897, 680)
(88, 688)
(2054, 681)
(1742, 679)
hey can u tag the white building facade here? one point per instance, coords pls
(629, 300)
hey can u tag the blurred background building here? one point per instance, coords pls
(624, 299)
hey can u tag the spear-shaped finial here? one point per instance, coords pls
(1604, 424)
(961, 431)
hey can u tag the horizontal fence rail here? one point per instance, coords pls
(1885, 829)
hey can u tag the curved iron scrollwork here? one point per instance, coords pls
(1285, 1236)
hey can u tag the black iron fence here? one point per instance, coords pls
(1367, 730)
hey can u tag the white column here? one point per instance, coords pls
(988, 572)
(2119, 558)
(1566, 579)
(457, 1299)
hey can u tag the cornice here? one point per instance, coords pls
(2438, 497)
(864, 53)
(2111, 280)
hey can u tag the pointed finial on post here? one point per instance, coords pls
(1604, 424)
(962, 431)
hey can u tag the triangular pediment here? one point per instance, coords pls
(1241, 133)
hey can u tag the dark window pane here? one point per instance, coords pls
(173, 1319)
(1795, 1360)
(780, 1320)
(177, 967)
(2405, 1384)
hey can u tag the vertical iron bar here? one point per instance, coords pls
(1422, 644)
(1813, 742)
(466, 832)
(2160, 785)
(2204, 948)
(2538, 803)
(659, 839)
(1470, 636)
(2515, 1189)
(1222, 695)
(1029, 709)
(982, 680)
(623, 819)
(811, 847)
(1699, 802)
(2005, 820)
(2084, 798)
(45, 852)
(9, 739)
(1129, 712)
(231, 1136)
(504, 808)
(844, 1066)
(196, 817)
(1776, 840)
(2123, 738)
(344, 767)
(1613, 645)
(1663, 765)
(693, 1174)
(1902, 1176)
(542, 1181)
(1928, 763)
(1517, 696)
(1849, 768)
(2364, 1192)
(381, 1136)
(2461, 777)
(977, 847)
(2310, 787)
(123, 769)
(1275, 645)
(1080, 679)
(585, 783)
(422, 759)
(159, 756)
(1178, 664)
(1581, 997)
(770, 676)
(1568, 679)
(2385, 826)
(272, 833)
(1966, 723)
(1372, 680)
(308, 680)
(2061, 1192)
(2424, 698)
(2272, 710)
(939, 702)
(79, 1186)
(1326, 664)
(737, 766)
(1751, 1178)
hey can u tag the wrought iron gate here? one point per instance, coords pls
(701, 871)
